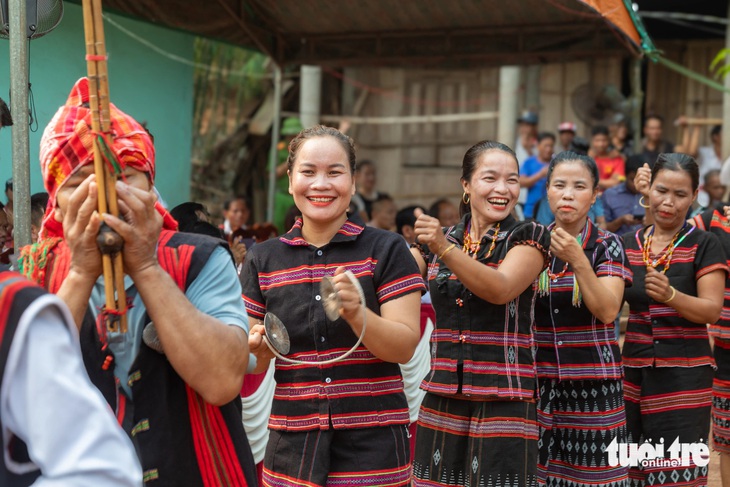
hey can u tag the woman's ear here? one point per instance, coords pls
(464, 185)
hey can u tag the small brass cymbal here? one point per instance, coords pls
(276, 333)
(330, 299)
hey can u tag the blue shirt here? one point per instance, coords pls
(619, 201)
(538, 190)
(216, 292)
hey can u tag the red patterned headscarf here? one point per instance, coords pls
(68, 141)
(66, 146)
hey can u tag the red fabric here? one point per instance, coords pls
(251, 383)
(608, 166)
(214, 450)
(412, 428)
(68, 142)
(427, 312)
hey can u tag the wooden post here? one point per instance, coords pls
(310, 95)
(637, 98)
(509, 85)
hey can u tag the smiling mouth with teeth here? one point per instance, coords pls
(321, 200)
(499, 202)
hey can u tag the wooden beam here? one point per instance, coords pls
(454, 59)
(444, 118)
(487, 30)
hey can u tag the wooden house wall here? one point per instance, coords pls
(418, 163)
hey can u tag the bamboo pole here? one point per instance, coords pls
(116, 300)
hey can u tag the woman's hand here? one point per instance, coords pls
(256, 343)
(429, 231)
(564, 246)
(657, 285)
(238, 249)
(642, 180)
(351, 306)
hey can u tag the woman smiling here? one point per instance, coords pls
(343, 423)
(477, 422)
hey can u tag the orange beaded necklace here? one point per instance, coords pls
(472, 248)
(666, 257)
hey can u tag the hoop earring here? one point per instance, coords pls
(642, 203)
(465, 198)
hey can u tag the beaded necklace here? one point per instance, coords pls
(472, 248)
(547, 276)
(666, 257)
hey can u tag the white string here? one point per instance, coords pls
(174, 57)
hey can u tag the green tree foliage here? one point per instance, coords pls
(229, 83)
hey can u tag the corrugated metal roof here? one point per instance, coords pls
(388, 32)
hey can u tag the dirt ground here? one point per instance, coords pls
(713, 479)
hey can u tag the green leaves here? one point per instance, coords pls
(720, 66)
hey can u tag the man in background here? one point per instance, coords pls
(653, 143)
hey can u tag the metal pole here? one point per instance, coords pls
(273, 153)
(19, 110)
(637, 96)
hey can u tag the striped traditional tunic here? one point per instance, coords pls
(713, 220)
(580, 397)
(571, 343)
(477, 424)
(657, 334)
(667, 358)
(479, 349)
(283, 276)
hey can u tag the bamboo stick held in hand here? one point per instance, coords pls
(110, 242)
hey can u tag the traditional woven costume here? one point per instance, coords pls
(180, 439)
(55, 427)
(343, 424)
(713, 220)
(668, 362)
(580, 406)
(477, 424)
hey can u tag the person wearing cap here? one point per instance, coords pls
(282, 199)
(177, 396)
(566, 134)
